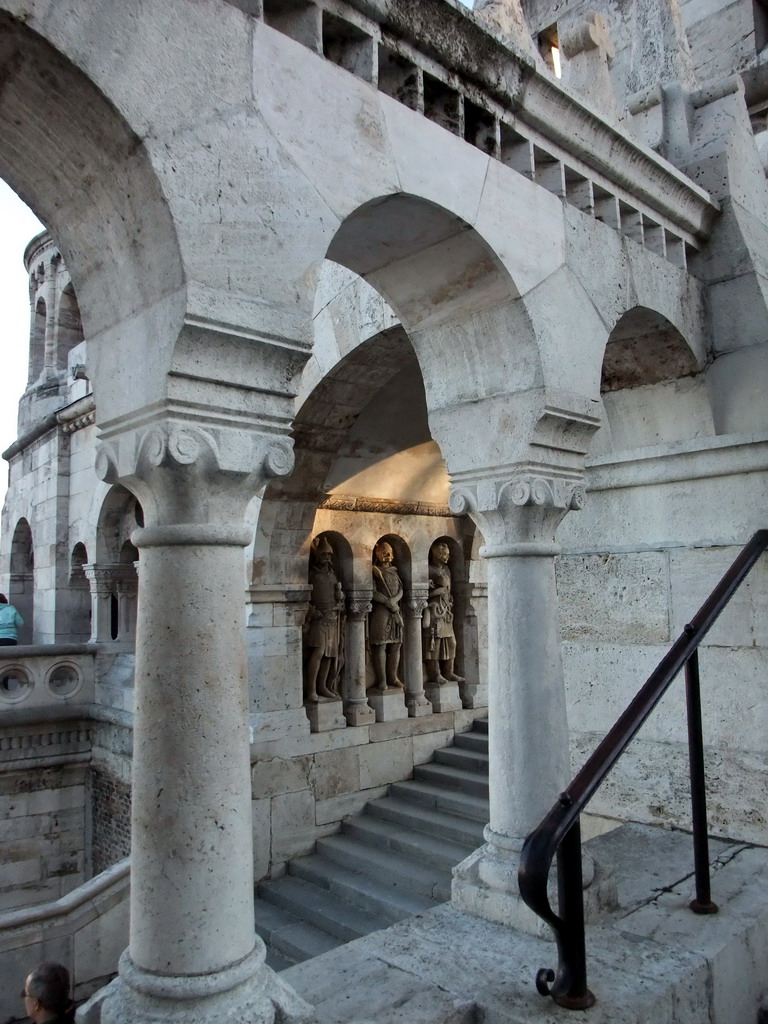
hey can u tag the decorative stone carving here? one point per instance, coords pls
(415, 699)
(439, 642)
(385, 623)
(323, 627)
(357, 710)
(526, 509)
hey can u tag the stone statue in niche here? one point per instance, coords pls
(385, 622)
(439, 640)
(323, 631)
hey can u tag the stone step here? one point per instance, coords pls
(289, 940)
(452, 778)
(467, 760)
(433, 795)
(402, 872)
(390, 863)
(480, 725)
(472, 741)
(440, 853)
(415, 816)
(320, 908)
(381, 898)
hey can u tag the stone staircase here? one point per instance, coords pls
(391, 862)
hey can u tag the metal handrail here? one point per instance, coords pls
(559, 831)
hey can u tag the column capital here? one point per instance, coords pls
(358, 604)
(518, 513)
(186, 473)
(415, 602)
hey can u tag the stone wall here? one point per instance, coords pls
(111, 820)
(43, 807)
(302, 790)
(110, 792)
(636, 567)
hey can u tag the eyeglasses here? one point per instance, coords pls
(26, 995)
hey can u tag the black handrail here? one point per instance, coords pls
(561, 825)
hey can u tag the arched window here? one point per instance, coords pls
(37, 341)
(69, 326)
(22, 579)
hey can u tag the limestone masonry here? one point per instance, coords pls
(392, 366)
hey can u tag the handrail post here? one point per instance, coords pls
(570, 988)
(702, 904)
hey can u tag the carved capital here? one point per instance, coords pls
(521, 512)
(189, 473)
(359, 605)
(415, 603)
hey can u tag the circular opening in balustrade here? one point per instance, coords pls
(15, 684)
(63, 681)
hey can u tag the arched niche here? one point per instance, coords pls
(652, 387)
(21, 589)
(119, 516)
(37, 340)
(88, 177)
(77, 627)
(69, 326)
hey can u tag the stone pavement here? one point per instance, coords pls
(651, 962)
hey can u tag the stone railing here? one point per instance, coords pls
(437, 59)
(86, 930)
(35, 675)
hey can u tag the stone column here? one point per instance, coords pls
(127, 590)
(193, 953)
(357, 710)
(415, 699)
(528, 732)
(101, 580)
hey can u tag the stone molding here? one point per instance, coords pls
(488, 495)
(518, 515)
(194, 482)
(519, 96)
(383, 506)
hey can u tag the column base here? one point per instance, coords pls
(485, 885)
(249, 991)
(388, 706)
(418, 705)
(443, 696)
(325, 716)
(359, 713)
(474, 695)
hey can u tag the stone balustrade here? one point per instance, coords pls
(496, 99)
(35, 675)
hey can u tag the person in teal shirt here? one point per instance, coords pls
(10, 620)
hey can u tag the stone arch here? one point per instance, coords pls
(21, 588)
(652, 385)
(119, 515)
(88, 177)
(69, 326)
(78, 627)
(37, 340)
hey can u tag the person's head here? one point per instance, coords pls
(3, 599)
(322, 552)
(440, 552)
(383, 553)
(46, 992)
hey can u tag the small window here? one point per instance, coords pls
(549, 48)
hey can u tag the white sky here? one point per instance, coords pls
(17, 226)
